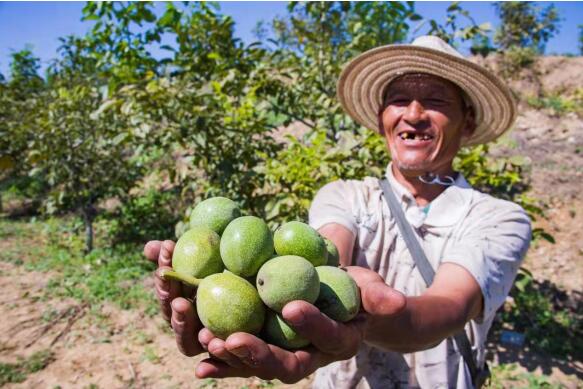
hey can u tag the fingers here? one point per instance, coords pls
(166, 251)
(327, 335)
(363, 276)
(212, 368)
(269, 361)
(380, 299)
(204, 337)
(152, 250)
(377, 297)
(216, 348)
(166, 291)
(186, 325)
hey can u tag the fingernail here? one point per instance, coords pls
(241, 352)
(298, 319)
(245, 356)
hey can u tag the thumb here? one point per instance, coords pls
(380, 299)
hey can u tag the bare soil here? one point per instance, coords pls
(103, 346)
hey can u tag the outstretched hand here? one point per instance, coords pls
(174, 301)
(246, 355)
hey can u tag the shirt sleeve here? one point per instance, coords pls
(492, 248)
(334, 204)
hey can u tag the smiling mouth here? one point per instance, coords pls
(414, 136)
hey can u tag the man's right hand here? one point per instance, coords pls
(174, 297)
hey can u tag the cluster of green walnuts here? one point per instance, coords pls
(245, 274)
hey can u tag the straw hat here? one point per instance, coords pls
(362, 83)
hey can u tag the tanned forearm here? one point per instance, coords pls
(453, 299)
(425, 321)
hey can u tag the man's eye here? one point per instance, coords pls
(399, 101)
(438, 102)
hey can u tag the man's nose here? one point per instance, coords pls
(414, 112)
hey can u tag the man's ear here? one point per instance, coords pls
(470, 123)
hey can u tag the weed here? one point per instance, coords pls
(559, 103)
(151, 356)
(108, 274)
(209, 383)
(506, 375)
(141, 338)
(540, 311)
(18, 372)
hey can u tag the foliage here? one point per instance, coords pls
(526, 25)
(81, 145)
(524, 30)
(506, 375)
(119, 40)
(18, 105)
(540, 311)
(311, 46)
(299, 170)
(145, 217)
(516, 58)
(17, 372)
(559, 103)
(451, 30)
(580, 39)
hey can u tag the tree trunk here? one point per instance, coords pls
(88, 216)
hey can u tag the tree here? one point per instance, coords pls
(526, 25)
(81, 144)
(209, 109)
(581, 39)
(19, 99)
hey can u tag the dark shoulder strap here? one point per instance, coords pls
(424, 266)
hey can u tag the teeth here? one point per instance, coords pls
(408, 135)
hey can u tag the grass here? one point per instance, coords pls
(106, 274)
(151, 356)
(18, 372)
(539, 311)
(506, 375)
(558, 103)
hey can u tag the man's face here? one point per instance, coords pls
(423, 122)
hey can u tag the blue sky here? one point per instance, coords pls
(40, 24)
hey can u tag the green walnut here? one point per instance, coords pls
(197, 253)
(333, 256)
(225, 303)
(277, 331)
(215, 213)
(246, 244)
(339, 296)
(287, 278)
(297, 238)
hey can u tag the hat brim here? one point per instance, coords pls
(362, 83)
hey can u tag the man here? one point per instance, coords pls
(427, 101)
